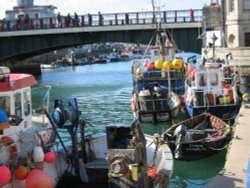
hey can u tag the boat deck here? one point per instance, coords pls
(235, 170)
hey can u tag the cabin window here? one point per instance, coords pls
(214, 79)
(18, 104)
(26, 99)
(5, 104)
(246, 5)
(202, 80)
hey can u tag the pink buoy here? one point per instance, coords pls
(50, 157)
(5, 175)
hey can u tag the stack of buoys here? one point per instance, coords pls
(177, 64)
(37, 177)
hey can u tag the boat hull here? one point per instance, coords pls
(228, 112)
(197, 137)
(197, 150)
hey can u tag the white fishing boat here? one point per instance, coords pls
(48, 66)
(33, 153)
(212, 87)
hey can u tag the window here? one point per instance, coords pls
(5, 104)
(231, 5)
(26, 99)
(18, 104)
(202, 80)
(214, 79)
(247, 39)
(246, 5)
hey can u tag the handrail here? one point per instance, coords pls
(107, 19)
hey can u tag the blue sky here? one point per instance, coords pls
(108, 6)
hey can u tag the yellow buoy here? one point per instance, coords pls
(177, 64)
(167, 65)
(245, 96)
(158, 64)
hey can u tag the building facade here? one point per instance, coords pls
(233, 23)
(27, 7)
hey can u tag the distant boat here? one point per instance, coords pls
(113, 57)
(47, 66)
(197, 137)
(126, 55)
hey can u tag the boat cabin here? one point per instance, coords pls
(210, 86)
(15, 100)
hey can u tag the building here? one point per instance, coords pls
(27, 7)
(230, 22)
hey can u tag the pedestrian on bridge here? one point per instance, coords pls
(76, 20)
(59, 20)
(100, 18)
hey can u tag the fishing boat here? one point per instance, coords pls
(158, 80)
(34, 154)
(212, 87)
(48, 66)
(197, 137)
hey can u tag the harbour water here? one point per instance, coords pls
(103, 92)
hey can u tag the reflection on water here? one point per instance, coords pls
(103, 92)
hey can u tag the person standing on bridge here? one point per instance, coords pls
(100, 18)
(59, 20)
(68, 20)
(76, 20)
(90, 19)
(191, 13)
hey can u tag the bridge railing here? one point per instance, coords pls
(129, 18)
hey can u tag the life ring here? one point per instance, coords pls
(8, 141)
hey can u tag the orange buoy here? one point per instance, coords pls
(152, 172)
(39, 179)
(150, 66)
(21, 173)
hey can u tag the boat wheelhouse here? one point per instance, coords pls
(16, 103)
(212, 87)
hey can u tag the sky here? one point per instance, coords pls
(108, 6)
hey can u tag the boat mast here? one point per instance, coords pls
(164, 43)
